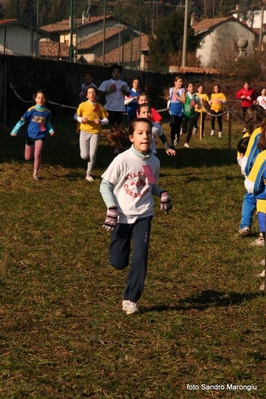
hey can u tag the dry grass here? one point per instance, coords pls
(62, 331)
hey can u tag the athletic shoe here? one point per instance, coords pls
(244, 130)
(212, 133)
(259, 242)
(262, 262)
(186, 145)
(129, 307)
(244, 232)
(194, 130)
(176, 141)
(220, 135)
(262, 274)
(36, 177)
(89, 178)
(262, 287)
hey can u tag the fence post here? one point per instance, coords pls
(5, 95)
(229, 119)
(200, 128)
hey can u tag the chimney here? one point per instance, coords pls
(193, 19)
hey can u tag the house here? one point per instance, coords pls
(133, 54)
(255, 18)
(120, 43)
(218, 40)
(19, 38)
(86, 35)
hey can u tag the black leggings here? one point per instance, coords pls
(219, 116)
(197, 118)
(187, 127)
(175, 123)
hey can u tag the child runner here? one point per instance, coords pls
(216, 102)
(131, 101)
(155, 116)
(144, 111)
(247, 95)
(177, 98)
(261, 100)
(115, 90)
(253, 121)
(200, 112)
(38, 118)
(255, 185)
(85, 85)
(127, 189)
(91, 116)
(189, 112)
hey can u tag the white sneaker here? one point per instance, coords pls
(244, 130)
(212, 133)
(176, 141)
(186, 145)
(262, 287)
(36, 177)
(129, 307)
(89, 178)
(220, 135)
(262, 274)
(259, 242)
(245, 231)
(194, 130)
(262, 262)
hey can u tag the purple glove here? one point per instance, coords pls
(111, 219)
(166, 203)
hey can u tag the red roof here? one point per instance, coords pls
(64, 25)
(53, 50)
(7, 21)
(98, 38)
(128, 52)
(208, 24)
(187, 69)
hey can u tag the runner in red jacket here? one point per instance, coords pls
(248, 97)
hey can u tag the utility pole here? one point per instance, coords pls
(104, 28)
(153, 3)
(184, 52)
(261, 26)
(37, 24)
(71, 47)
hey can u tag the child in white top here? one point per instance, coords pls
(261, 100)
(127, 189)
(144, 111)
(115, 90)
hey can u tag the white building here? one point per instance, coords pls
(19, 38)
(218, 38)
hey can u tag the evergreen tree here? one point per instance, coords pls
(134, 13)
(168, 40)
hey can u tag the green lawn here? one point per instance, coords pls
(62, 331)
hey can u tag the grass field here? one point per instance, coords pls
(62, 331)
